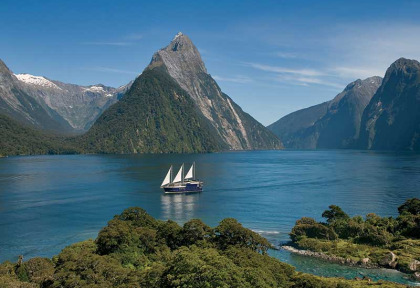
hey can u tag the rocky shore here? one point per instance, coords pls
(388, 263)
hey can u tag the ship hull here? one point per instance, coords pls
(184, 188)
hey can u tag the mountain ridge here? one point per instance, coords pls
(72, 108)
(329, 125)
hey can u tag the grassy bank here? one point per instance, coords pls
(373, 241)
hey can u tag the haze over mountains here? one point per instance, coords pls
(332, 124)
(369, 114)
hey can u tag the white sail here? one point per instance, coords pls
(178, 177)
(190, 174)
(167, 179)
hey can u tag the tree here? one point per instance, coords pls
(334, 213)
(411, 206)
(138, 217)
(195, 230)
(231, 232)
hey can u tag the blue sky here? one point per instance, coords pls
(271, 57)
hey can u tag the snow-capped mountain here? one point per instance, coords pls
(78, 105)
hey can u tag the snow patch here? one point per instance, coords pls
(36, 80)
(178, 35)
(96, 89)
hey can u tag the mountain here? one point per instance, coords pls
(18, 139)
(333, 124)
(175, 106)
(237, 129)
(292, 128)
(53, 105)
(16, 103)
(154, 116)
(391, 121)
(78, 105)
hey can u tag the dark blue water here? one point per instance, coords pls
(48, 202)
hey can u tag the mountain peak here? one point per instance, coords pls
(179, 34)
(180, 57)
(404, 65)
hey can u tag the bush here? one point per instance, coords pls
(316, 230)
(374, 236)
(231, 233)
(411, 206)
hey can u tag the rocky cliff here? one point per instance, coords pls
(237, 129)
(391, 121)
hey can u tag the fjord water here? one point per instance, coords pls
(49, 202)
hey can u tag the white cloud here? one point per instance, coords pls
(361, 50)
(235, 79)
(277, 69)
(301, 77)
(307, 81)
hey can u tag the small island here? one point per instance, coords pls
(371, 242)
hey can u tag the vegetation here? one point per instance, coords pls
(18, 139)
(384, 241)
(155, 116)
(136, 250)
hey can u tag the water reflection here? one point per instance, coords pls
(179, 207)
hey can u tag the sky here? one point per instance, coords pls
(270, 57)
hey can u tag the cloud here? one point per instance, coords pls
(301, 77)
(307, 81)
(277, 69)
(107, 43)
(111, 70)
(235, 79)
(366, 49)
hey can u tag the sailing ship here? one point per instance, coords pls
(181, 183)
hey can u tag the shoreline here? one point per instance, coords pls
(345, 261)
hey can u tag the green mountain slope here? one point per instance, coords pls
(238, 130)
(18, 139)
(154, 116)
(175, 106)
